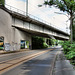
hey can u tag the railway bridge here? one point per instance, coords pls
(17, 28)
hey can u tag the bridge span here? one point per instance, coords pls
(16, 27)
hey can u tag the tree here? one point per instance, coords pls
(65, 6)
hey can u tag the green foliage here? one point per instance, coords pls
(2, 2)
(66, 45)
(54, 42)
(69, 50)
(38, 43)
(45, 45)
(71, 55)
(64, 5)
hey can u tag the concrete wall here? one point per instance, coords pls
(34, 27)
(5, 26)
(20, 35)
(12, 35)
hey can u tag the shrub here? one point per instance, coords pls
(69, 50)
(38, 43)
(45, 45)
(71, 55)
(66, 45)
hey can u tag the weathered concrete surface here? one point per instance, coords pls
(12, 36)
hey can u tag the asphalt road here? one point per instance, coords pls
(6, 57)
(40, 65)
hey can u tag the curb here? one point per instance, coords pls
(53, 64)
(16, 51)
(21, 50)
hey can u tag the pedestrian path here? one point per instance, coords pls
(15, 51)
(63, 66)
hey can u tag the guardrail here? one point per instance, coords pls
(32, 16)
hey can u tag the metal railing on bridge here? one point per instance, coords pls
(31, 16)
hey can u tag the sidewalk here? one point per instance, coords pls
(15, 51)
(63, 66)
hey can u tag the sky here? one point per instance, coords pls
(21, 0)
(45, 13)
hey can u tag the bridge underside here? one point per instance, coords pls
(36, 33)
(55, 33)
(17, 30)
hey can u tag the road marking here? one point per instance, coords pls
(11, 64)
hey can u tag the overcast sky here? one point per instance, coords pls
(46, 13)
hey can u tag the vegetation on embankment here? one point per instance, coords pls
(38, 43)
(69, 51)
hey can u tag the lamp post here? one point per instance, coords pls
(26, 7)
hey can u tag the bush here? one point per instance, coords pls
(45, 45)
(69, 50)
(71, 55)
(66, 46)
(38, 43)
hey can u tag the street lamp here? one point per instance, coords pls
(26, 7)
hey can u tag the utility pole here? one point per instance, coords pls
(26, 7)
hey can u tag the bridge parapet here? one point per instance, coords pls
(35, 25)
(13, 9)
